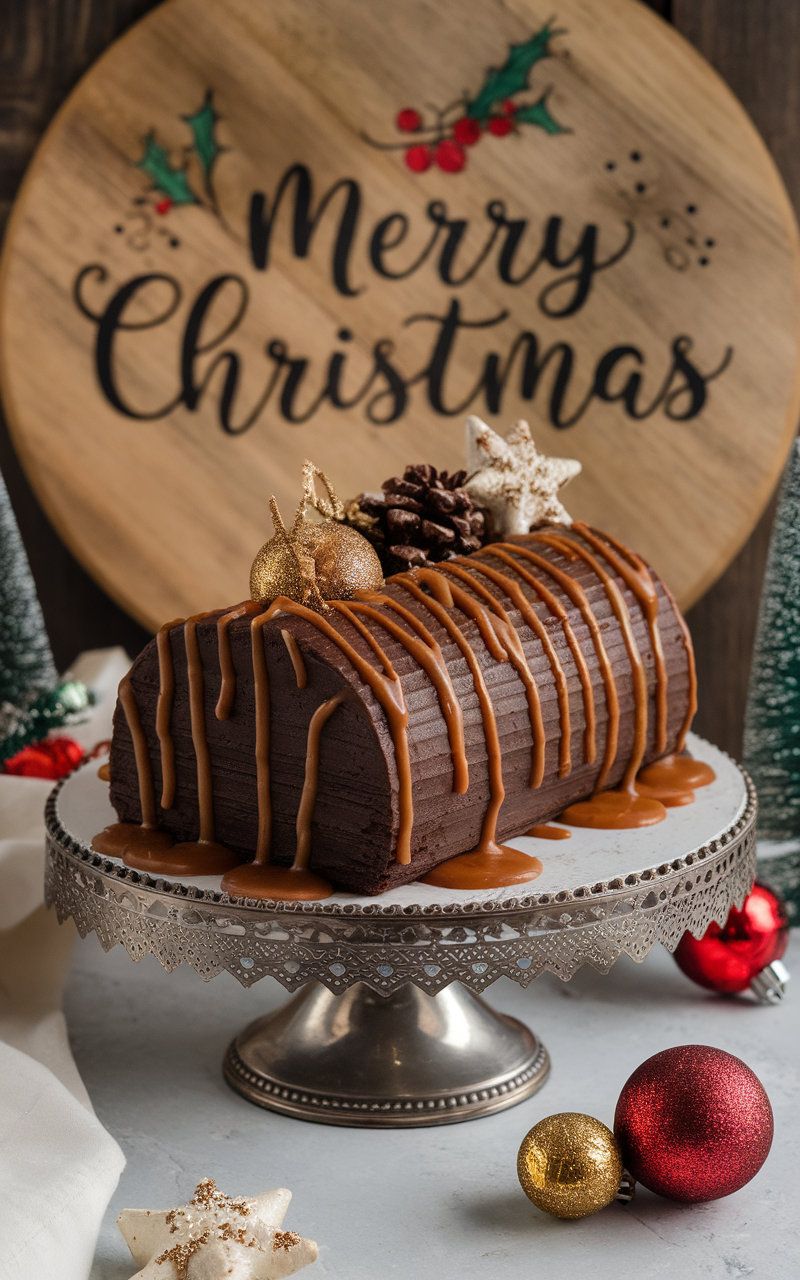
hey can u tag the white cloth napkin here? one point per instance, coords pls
(58, 1165)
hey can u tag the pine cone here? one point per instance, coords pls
(424, 517)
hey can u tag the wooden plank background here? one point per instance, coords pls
(45, 45)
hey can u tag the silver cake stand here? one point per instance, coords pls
(388, 1028)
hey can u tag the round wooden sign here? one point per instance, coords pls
(258, 233)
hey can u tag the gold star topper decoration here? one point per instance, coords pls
(214, 1236)
(312, 563)
(516, 484)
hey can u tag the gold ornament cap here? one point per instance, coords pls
(570, 1165)
(311, 563)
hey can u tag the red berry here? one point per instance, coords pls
(450, 156)
(500, 126)
(507, 107)
(408, 120)
(164, 205)
(466, 131)
(419, 158)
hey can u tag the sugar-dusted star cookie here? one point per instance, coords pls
(512, 480)
(216, 1238)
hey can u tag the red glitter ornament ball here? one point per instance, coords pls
(728, 958)
(450, 156)
(52, 758)
(694, 1123)
(408, 120)
(500, 126)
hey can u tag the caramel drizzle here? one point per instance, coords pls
(389, 692)
(537, 627)
(166, 691)
(424, 648)
(516, 654)
(293, 649)
(144, 769)
(308, 798)
(689, 647)
(557, 609)
(636, 576)
(227, 689)
(615, 597)
(451, 596)
(261, 696)
(575, 592)
(194, 666)
(409, 582)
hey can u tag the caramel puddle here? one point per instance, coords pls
(491, 866)
(197, 858)
(265, 880)
(146, 843)
(545, 832)
(668, 783)
(673, 780)
(615, 811)
(679, 773)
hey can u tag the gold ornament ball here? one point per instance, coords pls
(345, 561)
(330, 559)
(570, 1165)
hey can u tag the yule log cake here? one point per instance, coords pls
(339, 729)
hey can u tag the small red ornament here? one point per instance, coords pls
(730, 957)
(408, 120)
(450, 156)
(164, 205)
(694, 1123)
(466, 131)
(51, 758)
(500, 126)
(508, 107)
(419, 158)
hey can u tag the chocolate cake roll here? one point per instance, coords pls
(457, 707)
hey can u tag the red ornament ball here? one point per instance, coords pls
(694, 1123)
(466, 131)
(419, 158)
(450, 156)
(500, 126)
(508, 107)
(728, 958)
(408, 120)
(52, 758)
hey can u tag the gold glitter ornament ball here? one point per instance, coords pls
(320, 562)
(313, 563)
(570, 1165)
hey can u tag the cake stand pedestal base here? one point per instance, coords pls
(368, 1060)
(384, 1032)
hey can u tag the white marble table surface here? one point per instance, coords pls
(442, 1203)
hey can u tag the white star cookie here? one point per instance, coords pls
(216, 1238)
(517, 484)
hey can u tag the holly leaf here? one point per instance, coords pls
(202, 125)
(512, 77)
(538, 113)
(170, 182)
